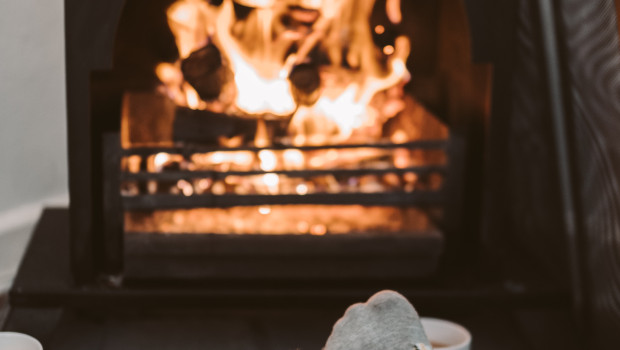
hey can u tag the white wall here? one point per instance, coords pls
(33, 165)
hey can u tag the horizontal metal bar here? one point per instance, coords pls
(421, 242)
(192, 149)
(185, 175)
(170, 201)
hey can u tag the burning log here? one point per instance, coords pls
(204, 71)
(206, 127)
(306, 81)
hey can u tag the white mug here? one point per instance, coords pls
(18, 341)
(446, 335)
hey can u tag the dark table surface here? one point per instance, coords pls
(259, 329)
(45, 305)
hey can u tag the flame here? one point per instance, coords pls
(262, 53)
(261, 139)
(242, 158)
(392, 7)
(188, 21)
(193, 100)
(352, 90)
(260, 80)
(160, 160)
(302, 189)
(172, 77)
(258, 95)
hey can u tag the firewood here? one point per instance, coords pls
(204, 71)
(206, 127)
(306, 80)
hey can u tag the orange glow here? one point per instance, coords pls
(302, 189)
(318, 230)
(399, 137)
(161, 159)
(242, 158)
(388, 50)
(268, 160)
(271, 180)
(133, 163)
(293, 159)
(392, 8)
(187, 20)
(186, 187)
(271, 80)
(262, 54)
(264, 210)
(303, 227)
(218, 157)
(193, 100)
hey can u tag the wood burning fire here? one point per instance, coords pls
(296, 98)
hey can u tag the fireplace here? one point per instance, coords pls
(245, 152)
(282, 140)
(296, 142)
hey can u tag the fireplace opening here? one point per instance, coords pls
(308, 125)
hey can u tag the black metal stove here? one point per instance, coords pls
(134, 196)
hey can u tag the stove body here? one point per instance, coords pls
(380, 205)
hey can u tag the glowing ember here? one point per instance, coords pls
(264, 210)
(318, 230)
(185, 187)
(160, 160)
(271, 181)
(268, 160)
(293, 159)
(133, 163)
(296, 219)
(193, 101)
(302, 189)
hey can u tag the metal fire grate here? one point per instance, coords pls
(426, 197)
(140, 254)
